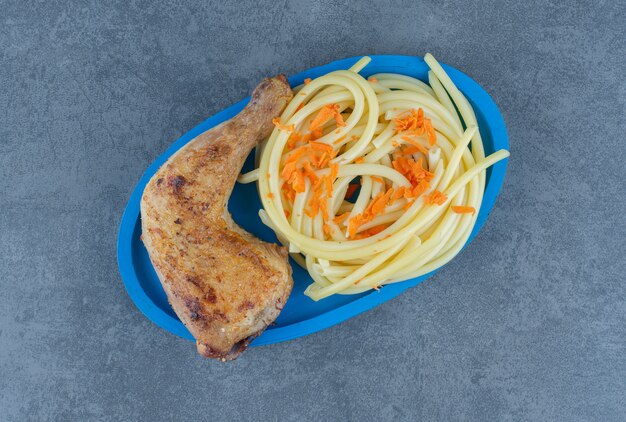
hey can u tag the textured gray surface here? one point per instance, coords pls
(529, 323)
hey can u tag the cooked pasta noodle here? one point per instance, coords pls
(372, 181)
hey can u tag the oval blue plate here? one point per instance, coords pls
(301, 315)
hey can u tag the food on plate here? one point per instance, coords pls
(372, 181)
(224, 284)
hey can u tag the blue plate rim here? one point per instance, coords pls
(278, 334)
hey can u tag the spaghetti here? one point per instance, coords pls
(372, 181)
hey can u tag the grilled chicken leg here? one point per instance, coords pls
(224, 284)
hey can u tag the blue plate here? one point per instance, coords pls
(301, 315)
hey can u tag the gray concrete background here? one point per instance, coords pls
(529, 323)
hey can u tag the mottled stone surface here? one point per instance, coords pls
(529, 323)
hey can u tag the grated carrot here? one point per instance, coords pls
(280, 126)
(372, 79)
(293, 140)
(411, 121)
(413, 171)
(359, 160)
(299, 186)
(340, 218)
(353, 225)
(430, 132)
(375, 230)
(339, 119)
(375, 207)
(435, 197)
(288, 170)
(378, 179)
(323, 160)
(460, 209)
(399, 193)
(324, 208)
(288, 192)
(329, 185)
(320, 146)
(325, 114)
(417, 124)
(415, 144)
(270, 195)
(309, 172)
(307, 81)
(410, 150)
(317, 133)
(419, 189)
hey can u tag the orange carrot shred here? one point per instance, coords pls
(329, 185)
(325, 114)
(270, 195)
(460, 209)
(375, 230)
(324, 208)
(307, 81)
(419, 189)
(399, 193)
(339, 119)
(416, 123)
(317, 133)
(410, 150)
(416, 144)
(320, 146)
(280, 126)
(435, 197)
(378, 179)
(353, 225)
(372, 79)
(293, 140)
(340, 218)
(430, 132)
(299, 185)
(359, 160)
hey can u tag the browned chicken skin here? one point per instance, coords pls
(224, 284)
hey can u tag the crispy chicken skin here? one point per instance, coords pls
(224, 284)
